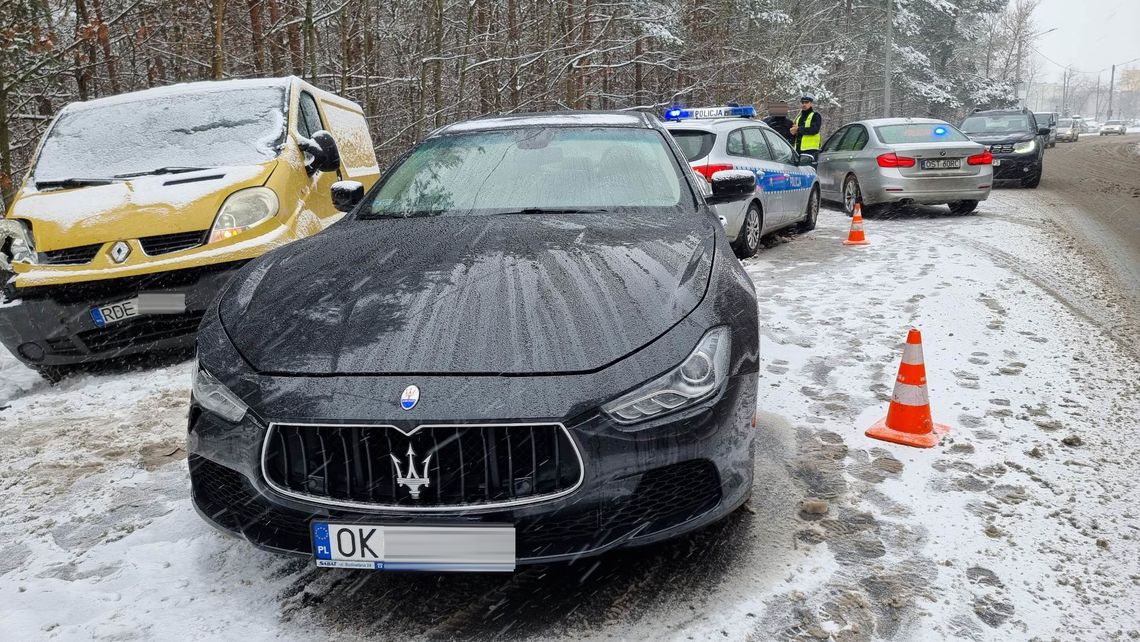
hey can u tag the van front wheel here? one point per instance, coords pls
(54, 374)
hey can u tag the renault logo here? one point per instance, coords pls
(120, 251)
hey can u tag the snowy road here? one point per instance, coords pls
(1024, 523)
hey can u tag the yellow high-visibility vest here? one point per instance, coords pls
(809, 141)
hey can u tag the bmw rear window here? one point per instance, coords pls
(919, 133)
(694, 143)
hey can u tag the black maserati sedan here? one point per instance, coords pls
(529, 342)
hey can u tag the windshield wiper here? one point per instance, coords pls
(74, 182)
(174, 169)
(557, 210)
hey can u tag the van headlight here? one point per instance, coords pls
(242, 210)
(212, 395)
(16, 241)
(1025, 146)
(699, 376)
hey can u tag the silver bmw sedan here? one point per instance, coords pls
(886, 161)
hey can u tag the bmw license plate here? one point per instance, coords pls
(942, 163)
(145, 303)
(414, 548)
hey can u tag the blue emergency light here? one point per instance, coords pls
(731, 111)
(940, 131)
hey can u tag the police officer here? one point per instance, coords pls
(807, 127)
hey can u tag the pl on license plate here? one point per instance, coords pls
(942, 163)
(414, 548)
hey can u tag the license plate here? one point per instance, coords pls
(414, 548)
(997, 161)
(145, 303)
(942, 163)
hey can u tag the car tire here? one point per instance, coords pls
(811, 212)
(851, 195)
(963, 207)
(1033, 181)
(748, 241)
(54, 374)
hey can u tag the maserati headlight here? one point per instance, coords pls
(1025, 146)
(242, 210)
(699, 376)
(16, 243)
(212, 395)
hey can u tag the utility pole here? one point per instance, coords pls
(887, 61)
(1065, 92)
(1111, 80)
(1096, 110)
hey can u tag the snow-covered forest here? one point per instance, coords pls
(417, 65)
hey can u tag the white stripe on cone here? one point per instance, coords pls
(909, 395)
(912, 354)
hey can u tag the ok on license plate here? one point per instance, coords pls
(942, 163)
(414, 548)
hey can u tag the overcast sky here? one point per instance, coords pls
(1090, 35)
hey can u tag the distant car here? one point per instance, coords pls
(1048, 119)
(1089, 126)
(1014, 138)
(1068, 130)
(1113, 127)
(884, 161)
(714, 139)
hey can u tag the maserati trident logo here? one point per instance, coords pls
(412, 480)
(120, 251)
(410, 397)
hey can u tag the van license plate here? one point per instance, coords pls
(115, 312)
(414, 548)
(942, 163)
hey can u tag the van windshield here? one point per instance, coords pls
(208, 129)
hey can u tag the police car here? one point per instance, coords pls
(714, 139)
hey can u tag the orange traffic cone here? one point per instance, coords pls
(855, 236)
(908, 421)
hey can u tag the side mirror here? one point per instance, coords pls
(731, 185)
(1044, 131)
(806, 159)
(346, 195)
(323, 152)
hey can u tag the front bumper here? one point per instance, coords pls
(681, 474)
(52, 325)
(1016, 166)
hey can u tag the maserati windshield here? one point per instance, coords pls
(533, 170)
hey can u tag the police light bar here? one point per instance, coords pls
(680, 113)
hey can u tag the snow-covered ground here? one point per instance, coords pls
(1022, 524)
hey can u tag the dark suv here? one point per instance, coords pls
(1015, 139)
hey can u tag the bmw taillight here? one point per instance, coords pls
(985, 158)
(708, 170)
(894, 160)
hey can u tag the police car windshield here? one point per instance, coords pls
(532, 170)
(134, 137)
(996, 124)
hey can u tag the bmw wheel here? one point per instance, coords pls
(748, 241)
(851, 195)
(811, 213)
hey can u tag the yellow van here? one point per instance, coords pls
(137, 209)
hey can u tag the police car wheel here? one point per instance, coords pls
(748, 241)
(811, 212)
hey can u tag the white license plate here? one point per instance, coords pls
(414, 548)
(997, 161)
(942, 163)
(145, 303)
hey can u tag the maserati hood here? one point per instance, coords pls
(508, 294)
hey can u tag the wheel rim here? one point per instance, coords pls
(813, 206)
(849, 195)
(753, 229)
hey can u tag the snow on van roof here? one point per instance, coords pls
(182, 89)
(563, 118)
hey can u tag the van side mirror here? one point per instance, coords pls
(346, 195)
(323, 152)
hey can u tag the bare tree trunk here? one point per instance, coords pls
(219, 58)
(257, 34)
